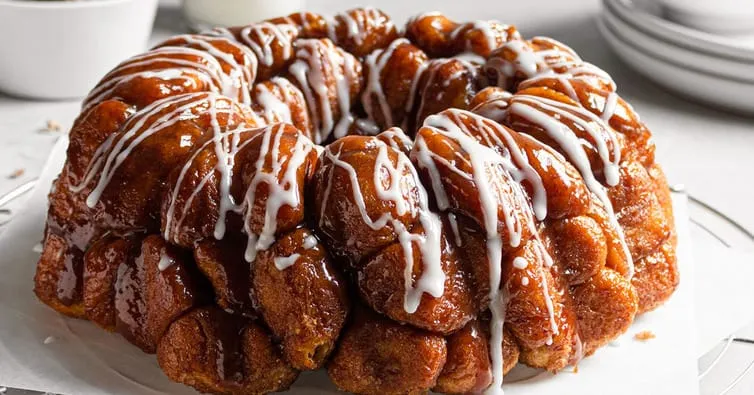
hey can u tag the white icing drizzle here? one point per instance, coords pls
(303, 15)
(165, 262)
(280, 178)
(485, 163)
(224, 163)
(247, 73)
(173, 64)
(313, 58)
(282, 263)
(117, 147)
(535, 64)
(533, 109)
(412, 91)
(482, 162)
(515, 162)
(454, 228)
(203, 72)
(494, 108)
(493, 38)
(434, 65)
(432, 279)
(219, 32)
(275, 108)
(397, 139)
(604, 141)
(281, 181)
(525, 281)
(611, 103)
(520, 263)
(309, 242)
(375, 63)
(359, 23)
(260, 36)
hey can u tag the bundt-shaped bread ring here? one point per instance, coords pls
(245, 203)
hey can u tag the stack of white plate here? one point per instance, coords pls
(713, 69)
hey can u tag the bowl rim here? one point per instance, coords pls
(58, 5)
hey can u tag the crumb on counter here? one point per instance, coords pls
(644, 336)
(16, 173)
(49, 339)
(52, 126)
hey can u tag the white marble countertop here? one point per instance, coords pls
(709, 151)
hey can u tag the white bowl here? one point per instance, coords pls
(715, 90)
(60, 49)
(206, 14)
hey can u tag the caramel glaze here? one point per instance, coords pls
(243, 203)
(223, 264)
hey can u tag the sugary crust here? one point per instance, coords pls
(304, 305)
(378, 356)
(219, 353)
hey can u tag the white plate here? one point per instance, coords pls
(645, 16)
(726, 17)
(717, 90)
(84, 360)
(706, 62)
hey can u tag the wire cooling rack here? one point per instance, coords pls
(737, 350)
